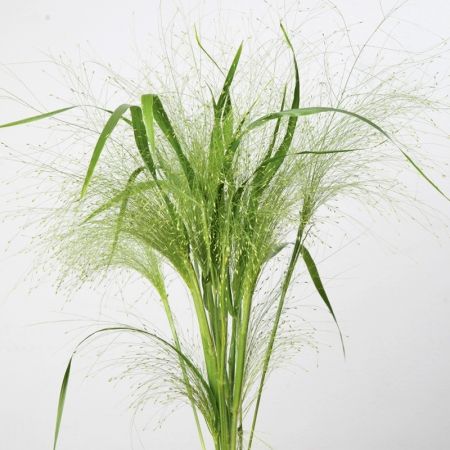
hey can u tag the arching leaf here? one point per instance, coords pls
(315, 277)
(36, 118)
(61, 401)
(104, 135)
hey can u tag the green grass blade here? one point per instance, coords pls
(148, 119)
(222, 102)
(276, 321)
(194, 370)
(315, 277)
(308, 111)
(422, 173)
(323, 109)
(277, 127)
(266, 170)
(286, 143)
(275, 250)
(104, 135)
(199, 43)
(222, 132)
(36, 118)
(61, 401)
(141, 139)
(163, 121)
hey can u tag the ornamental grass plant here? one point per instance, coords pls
(222, 187)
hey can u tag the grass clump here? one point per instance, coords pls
(219, 194)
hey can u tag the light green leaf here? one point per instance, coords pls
(38, 117)
(148, 118)
(104, 135)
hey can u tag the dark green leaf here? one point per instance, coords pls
(140, 136)
(222, 102)
(61, 401)
(162, 119)
(314, 274)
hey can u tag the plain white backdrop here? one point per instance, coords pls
(390, 287)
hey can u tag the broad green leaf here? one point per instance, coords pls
(140, 136)
(104, 135)
(148, 103)
(35, 118)
(61, 401)
(315, 277)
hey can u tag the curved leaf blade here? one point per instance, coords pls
(36, 118)
(322, 109)
(61, 401)
(163, 121)
(315, 277)
(104, 135)
(62, 396)
(199, 43)
(287, 140)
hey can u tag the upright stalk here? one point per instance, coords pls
(243, 322)
(173, 329)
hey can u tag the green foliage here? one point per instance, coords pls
(191, 198)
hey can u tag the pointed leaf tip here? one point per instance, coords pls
(315, 277)
(61, 401)
(104, 135)
(37, 117)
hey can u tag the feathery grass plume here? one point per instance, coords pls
(224, 187)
